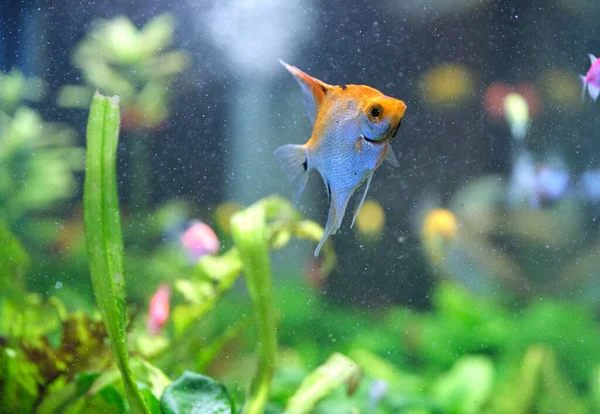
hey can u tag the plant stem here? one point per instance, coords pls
(250, 234)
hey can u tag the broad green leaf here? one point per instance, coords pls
(196, 394)
(466, 388)
(249, 231)
(103, 233)
(336, 371)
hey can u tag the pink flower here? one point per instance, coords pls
(199, 240)
(158, 314)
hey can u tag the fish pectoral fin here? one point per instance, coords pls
(594, 91)
(337, 207)
(294, 161)
(362, 200)
(313, 90)
(592, 58)
(391, 157)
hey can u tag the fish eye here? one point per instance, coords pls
(375, 112)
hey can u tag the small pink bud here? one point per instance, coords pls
(200, 240)
(158, 310)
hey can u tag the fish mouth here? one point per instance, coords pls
(388, 135)
(372, 141)
(395, 129)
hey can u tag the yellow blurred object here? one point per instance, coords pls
(224, 213)
(439, 222)
(371, 219)
(516, 112)
(562, 88)
(448, 85)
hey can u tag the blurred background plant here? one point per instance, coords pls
(519, 234)
(38, 162)
(140, 66)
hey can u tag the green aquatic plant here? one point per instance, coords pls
(103, 233)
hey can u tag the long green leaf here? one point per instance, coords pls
(103, 233)
(249, 230)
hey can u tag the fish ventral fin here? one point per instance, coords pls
(313, 91)
(294, 161)
(390, 157)
(592, 58)
(584, 87)
(362, 200)
(594, 91)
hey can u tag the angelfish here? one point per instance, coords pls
(591, 80)
(352, 128)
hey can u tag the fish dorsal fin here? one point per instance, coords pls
(592, 58)
(313, 91)
(391, 157)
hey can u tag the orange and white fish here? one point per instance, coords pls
(352, 129)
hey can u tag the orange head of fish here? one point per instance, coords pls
(355, 109)
(380, 115)
(360, 110)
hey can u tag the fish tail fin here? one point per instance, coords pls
(337, 207)
(294, 161)
(584, 87)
